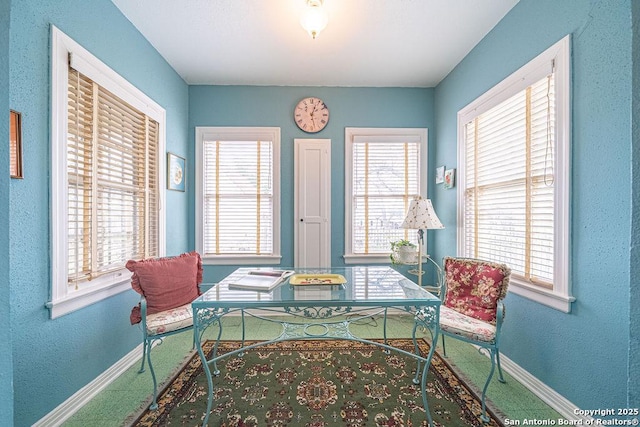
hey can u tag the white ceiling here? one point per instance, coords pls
(372, 43)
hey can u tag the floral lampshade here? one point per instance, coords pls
(421, 215)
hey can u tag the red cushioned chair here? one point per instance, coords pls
(472, 308)
(167, 287)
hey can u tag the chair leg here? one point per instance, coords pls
(500, 376)
(144, 354)
(444, 347)
(154, 403)
(484, 416)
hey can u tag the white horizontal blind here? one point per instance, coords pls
(386, 176)
(509, 186)
(112, 168)
(238, 197)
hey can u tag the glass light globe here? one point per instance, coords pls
(314, 19)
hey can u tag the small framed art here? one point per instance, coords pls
(440, 175)
(15, 144)
(449, 178)
(175, 172)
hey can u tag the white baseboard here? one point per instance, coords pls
(548, 395)
(66, 409)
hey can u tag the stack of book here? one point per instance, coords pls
(260, 280)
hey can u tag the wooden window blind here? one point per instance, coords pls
(15, 145)
(113, 183)
(509, 185)
(386, 176)
(238, 197)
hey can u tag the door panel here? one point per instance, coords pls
(312, 204)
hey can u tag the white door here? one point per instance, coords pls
(312, 203)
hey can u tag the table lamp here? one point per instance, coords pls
(421, 216)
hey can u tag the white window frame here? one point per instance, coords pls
(64, 299)
(559, 55)
(238, 134)
(377, 133)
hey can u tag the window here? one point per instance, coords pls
(513, 192)
(385, 170)
(238, 195)
(106, 143)
(15, 145)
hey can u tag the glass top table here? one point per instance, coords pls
(365, 286)
(323, 311)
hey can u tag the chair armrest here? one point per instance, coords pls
(143, 312)
(143, 306)
(500, 312)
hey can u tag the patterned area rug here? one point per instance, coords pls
(317, 384)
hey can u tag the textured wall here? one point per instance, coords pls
(582, 355)
(6, 358)
(55, 358)
(634, 306)
(273, 106)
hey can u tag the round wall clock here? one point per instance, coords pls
(311, 114)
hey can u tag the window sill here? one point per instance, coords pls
(241, 259)
(546, 297)
(81, 299)
(367, 259)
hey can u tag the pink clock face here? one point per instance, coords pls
(311, 115)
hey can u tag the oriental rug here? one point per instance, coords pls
(318, 383)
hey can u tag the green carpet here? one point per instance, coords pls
(317, 384)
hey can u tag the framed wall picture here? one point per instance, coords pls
(175, 172)
(449, 178)
(440, 175)
(15, 144)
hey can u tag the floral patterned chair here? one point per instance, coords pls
(167, 287)
(472, 308)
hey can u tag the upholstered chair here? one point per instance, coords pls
(167, 286)
(472, 309)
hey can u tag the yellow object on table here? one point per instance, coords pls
(317, 279)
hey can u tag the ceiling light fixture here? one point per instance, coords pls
(314, 18)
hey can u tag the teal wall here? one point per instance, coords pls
(634, 324)
(52, 359)
(582, 355)
(6, 358)
(273, 106)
